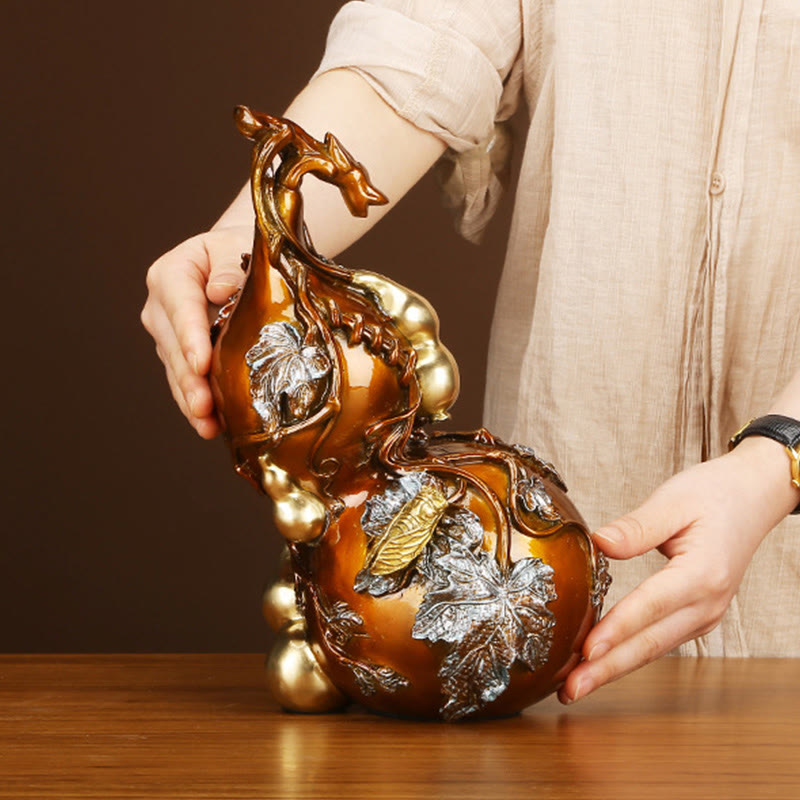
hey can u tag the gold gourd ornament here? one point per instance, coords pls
(428, 574)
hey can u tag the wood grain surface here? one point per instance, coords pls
(202, 726)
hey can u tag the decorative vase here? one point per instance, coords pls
(428, 574)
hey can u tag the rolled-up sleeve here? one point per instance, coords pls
(440, 64)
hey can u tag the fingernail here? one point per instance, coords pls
(191, 399)
(599, 650)
(228, 285)
(578, 693)
(193, 362)
(610, 535)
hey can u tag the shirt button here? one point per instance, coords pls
(717, 183)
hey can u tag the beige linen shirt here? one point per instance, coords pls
(651, 292)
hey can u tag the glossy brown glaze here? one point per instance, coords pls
(438, 574)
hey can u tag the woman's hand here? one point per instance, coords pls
(184, 286)
(206, 267)
(708, 521)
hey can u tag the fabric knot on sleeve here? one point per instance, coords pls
(473, 181)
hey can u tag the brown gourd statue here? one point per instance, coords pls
(428, 574)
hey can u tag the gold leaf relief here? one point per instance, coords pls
(408, 532)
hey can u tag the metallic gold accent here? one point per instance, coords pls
(409, 532)
(295, 677)
(436, 369)
(794, 456)
(279, 604)
(299, 515)
(734, 440)
(379, 511)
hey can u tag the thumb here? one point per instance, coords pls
(640, 531)
(225, 248)
(224, 279)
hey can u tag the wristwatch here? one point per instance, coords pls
(784, 430)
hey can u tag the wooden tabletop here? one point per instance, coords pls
(202, 726)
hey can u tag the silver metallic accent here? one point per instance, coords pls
(286, 376)
(487, 616)
(542, 467)
(341, 624)
(379, 511)
(602, 580)
(532, 495)
(382, 508)
(490, 616)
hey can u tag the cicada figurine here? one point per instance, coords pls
(428, 574)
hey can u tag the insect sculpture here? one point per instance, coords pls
(428, 574)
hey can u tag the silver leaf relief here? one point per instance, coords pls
(371, 677)
(487, 616)
(544, 468)
(287, 377)
(602, 580)
(490, 617)
(342, 624)
(534, 498)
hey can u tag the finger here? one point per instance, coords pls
(177, 394)
(207, 427)
(190, 390)
(660, 596)
(646, 646)
(224, 250)
(224, 281)
(177, 283)
(655, 521)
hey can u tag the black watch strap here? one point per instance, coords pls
(784, 430)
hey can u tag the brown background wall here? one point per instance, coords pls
(121, 530)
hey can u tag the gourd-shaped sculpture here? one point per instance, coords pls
(428, 574)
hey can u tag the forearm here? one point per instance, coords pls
(395, 152)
